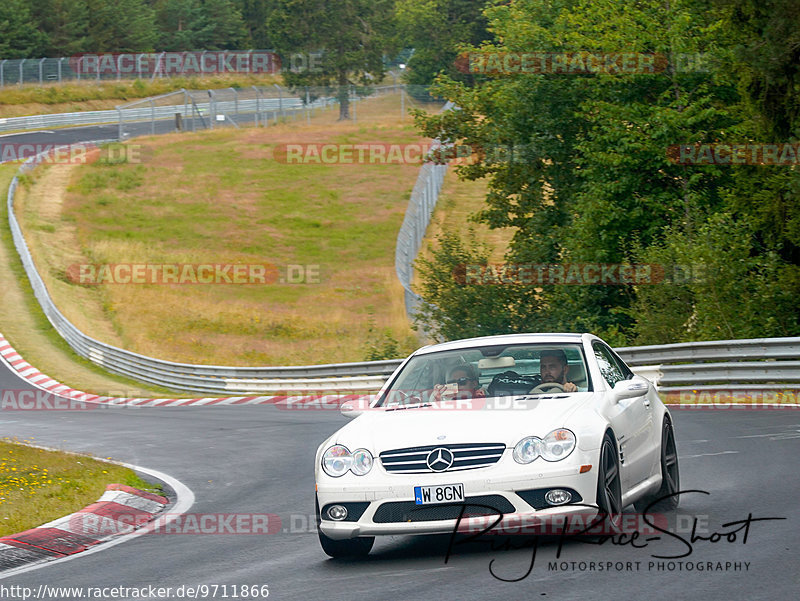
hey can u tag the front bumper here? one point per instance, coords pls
(385, 501)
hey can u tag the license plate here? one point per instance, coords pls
(444, 493)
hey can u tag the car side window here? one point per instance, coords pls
(608, 366)
(627, 374)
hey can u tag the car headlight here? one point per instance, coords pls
(527, 449)
(557, 445)
(336, 461)
(362, 462)
(554, 447)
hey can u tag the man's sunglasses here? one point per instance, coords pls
(461, 381)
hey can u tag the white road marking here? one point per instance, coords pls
(778, 436)
(708, 454)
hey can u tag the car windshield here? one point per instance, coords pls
(490, 371)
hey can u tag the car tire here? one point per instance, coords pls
(670, 472)
(609, 484)
(347, 548)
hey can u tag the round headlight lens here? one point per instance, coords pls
(557, 445)
(527, 449)
(362, 462)
(336, 461)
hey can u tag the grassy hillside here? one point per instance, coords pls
(221, 197)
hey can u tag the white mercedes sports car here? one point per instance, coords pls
(535, 425)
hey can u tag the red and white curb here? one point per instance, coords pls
(121, 510)
(34, 377)
(17, 557)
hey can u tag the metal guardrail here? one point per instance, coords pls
(689, 352)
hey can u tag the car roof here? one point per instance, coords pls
(555, 338)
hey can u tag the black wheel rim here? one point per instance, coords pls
(670, 462)
(610, 487)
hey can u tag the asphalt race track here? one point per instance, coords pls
(258, 459)
(76, 135)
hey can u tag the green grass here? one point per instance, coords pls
(38, 486)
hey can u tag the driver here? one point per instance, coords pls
(465, 376)
(553, 368)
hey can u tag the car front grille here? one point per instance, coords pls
(466, 456)
(408, 511)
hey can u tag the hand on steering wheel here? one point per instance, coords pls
(547, 387)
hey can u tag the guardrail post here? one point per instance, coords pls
(212, 110)
(120, 132)
(152, 117)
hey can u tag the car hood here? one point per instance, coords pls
(504, 420)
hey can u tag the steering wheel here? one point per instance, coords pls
(547, 387)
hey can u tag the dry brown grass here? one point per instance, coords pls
(27, 329)
(218, 197)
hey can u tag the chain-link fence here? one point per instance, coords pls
(415, 224)
(150, 65)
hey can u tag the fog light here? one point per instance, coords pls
(557, 496)
(337, 512)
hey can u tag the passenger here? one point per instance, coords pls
(465, 375)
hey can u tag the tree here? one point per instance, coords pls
(221, 26)
(125, 26)
(435, 29)
(255, 14)
(597, 184)
(342, 42)
(178, 22)
(19, 37)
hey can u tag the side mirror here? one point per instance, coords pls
(628, 389)
(355, 407)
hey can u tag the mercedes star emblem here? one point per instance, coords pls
(440, 459)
